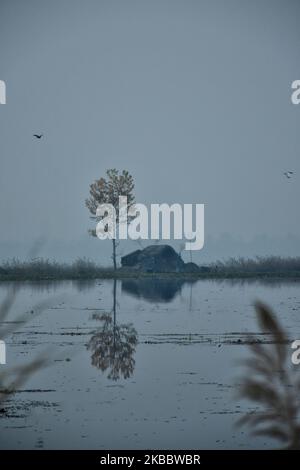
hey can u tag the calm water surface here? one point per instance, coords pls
(149, 364)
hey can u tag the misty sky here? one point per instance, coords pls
(192, 97)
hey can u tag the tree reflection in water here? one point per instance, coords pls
(113, 345)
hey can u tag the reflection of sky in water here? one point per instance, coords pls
(179, 392)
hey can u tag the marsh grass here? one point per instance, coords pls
(37, 269)
(40, 268)
(12, 378)
(272, 383)
(259, 265)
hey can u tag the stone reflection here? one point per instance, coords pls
(154, 290)
(113, 345)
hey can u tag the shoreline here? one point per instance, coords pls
(119, 275)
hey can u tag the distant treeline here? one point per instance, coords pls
(39, 268)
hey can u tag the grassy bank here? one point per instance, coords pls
(44, 269)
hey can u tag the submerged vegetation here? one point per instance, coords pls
(45, 269)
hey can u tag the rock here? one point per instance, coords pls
(131, 259)
(191, 268)
(157, 258)
(204, 269)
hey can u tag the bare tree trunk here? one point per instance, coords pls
(115, 311)
(114, 256)
(115, 301)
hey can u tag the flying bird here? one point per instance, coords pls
(38, 136)
(288, 174)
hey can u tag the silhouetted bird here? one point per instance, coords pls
(38, 136)
(288, 174)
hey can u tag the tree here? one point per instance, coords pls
(107, 191)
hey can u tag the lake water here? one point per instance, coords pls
(149, 364)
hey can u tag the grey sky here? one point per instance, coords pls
(192, 97)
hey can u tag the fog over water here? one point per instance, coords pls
(138, 364)
(193, 98)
